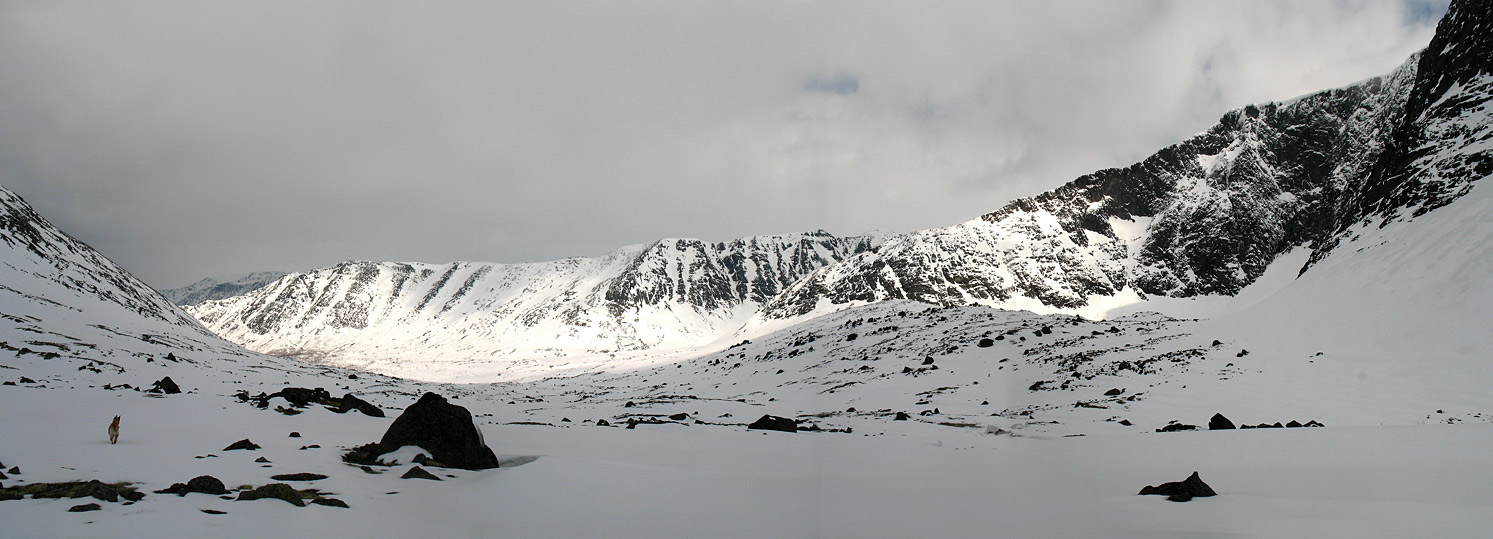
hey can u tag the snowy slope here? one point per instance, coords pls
(409, 318)
(210, 289)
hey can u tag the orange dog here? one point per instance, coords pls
(114, 430)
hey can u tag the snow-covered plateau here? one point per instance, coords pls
(1323, 264)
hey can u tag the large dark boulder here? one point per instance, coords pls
(1219, 422)
(443, 429)
(1181, 491)
(772, 422)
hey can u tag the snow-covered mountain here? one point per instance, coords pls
(922, 419)
(1205, 217)
(210, 289)
(672, 293)
(1209, 215)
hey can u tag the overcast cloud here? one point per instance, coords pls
(196, 139)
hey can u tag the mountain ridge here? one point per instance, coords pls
(1205, 217)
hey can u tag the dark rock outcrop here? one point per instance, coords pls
(1219, 422)
(772, 422)
(1181, 491)
(165, 385)
(349, 402)
(445, 430)
(279, 491)
(330, 502)
(84, 508)
(303, 476)
(1174, 427)
(418, 473)
(205, 484)
(242, 444)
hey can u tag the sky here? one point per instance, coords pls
(187, 139)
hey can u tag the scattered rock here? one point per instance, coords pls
(1181, 491)
(302, 476)
(242, 444)
(279, 491)
(603, 423)
(1293, 424)
(330, 502)
(84, 507)
(446, 430)
(1219, 422)
(772, 422)
(295, 435)
(14, 470)
(928, 360)
(418, 473)
(73, 489)
(205, 484)
(901, 416)
(1114, 392)
(165, 385)
(214, 512)
(1313, 423)
(1217, 342)
(1174, 427)
(679, 416)
(985, 343)
(26, 380)
(1126, 422)
(262, 460)
(1242, 353)
(629, 404)
(312, 446)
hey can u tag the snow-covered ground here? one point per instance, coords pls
(887, 479)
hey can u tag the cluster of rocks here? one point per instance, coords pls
(301, 397)
(1219, 422)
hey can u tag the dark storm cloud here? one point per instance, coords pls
(193, 139)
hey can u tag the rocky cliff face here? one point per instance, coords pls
(1204, 216)
(1207, 216)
